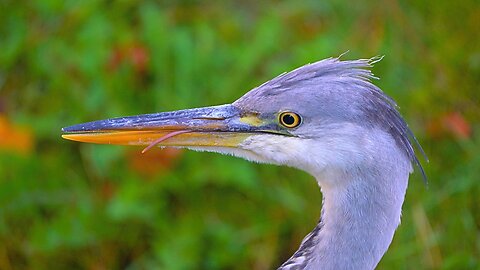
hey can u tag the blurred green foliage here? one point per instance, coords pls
(66, 205)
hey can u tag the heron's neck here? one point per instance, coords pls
(359, 218)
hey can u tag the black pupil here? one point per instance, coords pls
(288, 119)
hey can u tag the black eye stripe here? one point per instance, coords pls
(289, 119)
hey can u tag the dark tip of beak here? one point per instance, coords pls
(70, 129)
(80, 128)
(128, 122)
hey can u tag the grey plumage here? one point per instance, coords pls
(303, 255)
(348, 134)
(337, 85)
(341, 92)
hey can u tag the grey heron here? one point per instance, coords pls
(326, 118)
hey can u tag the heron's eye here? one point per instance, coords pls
(289, 119)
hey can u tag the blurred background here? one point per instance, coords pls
(66, 205)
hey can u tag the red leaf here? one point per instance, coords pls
(456, 124)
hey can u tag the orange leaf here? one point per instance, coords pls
(14, 138)
(154, 161)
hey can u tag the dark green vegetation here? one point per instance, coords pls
(66, 205)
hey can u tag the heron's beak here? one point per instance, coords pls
(219, 126)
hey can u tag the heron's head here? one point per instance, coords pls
(323, 115)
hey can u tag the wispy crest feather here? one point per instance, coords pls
(378, 108)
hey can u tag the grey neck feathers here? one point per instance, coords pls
(358, 219)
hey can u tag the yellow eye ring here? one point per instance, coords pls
(289, 119)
